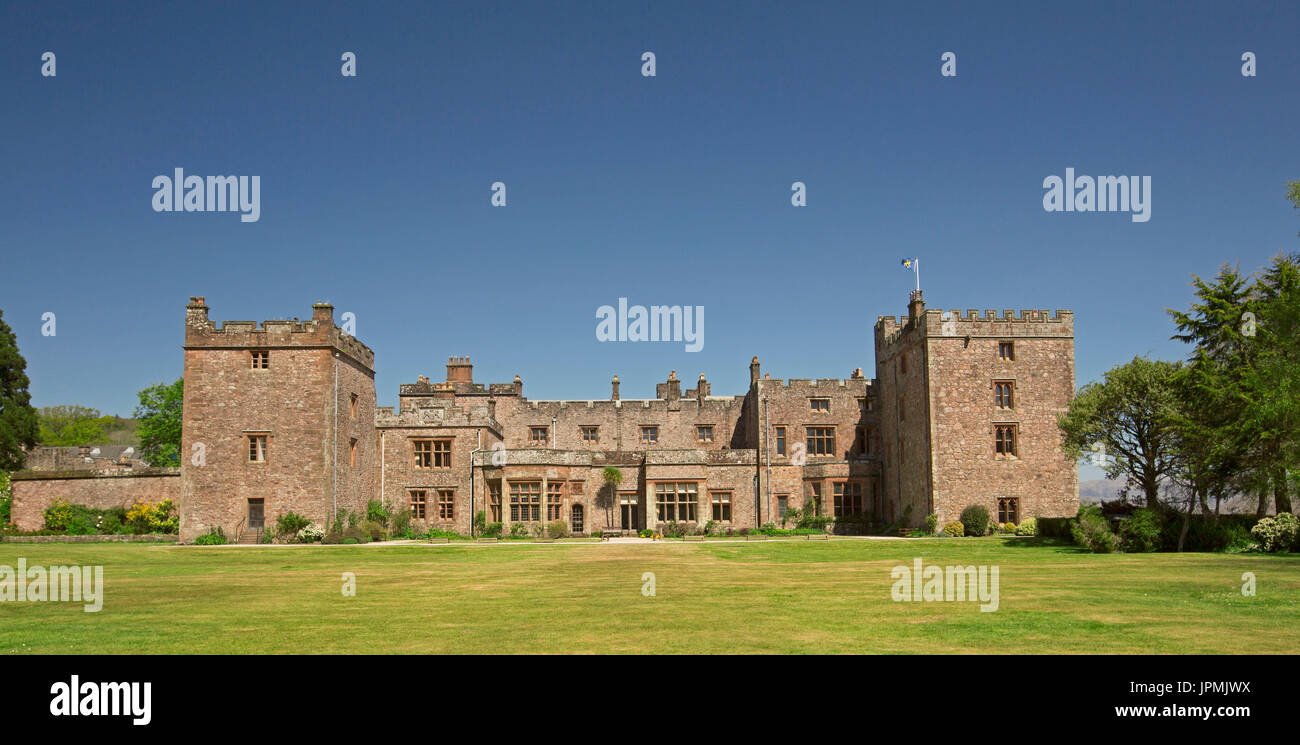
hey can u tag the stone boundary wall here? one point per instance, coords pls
(88, 539)
(33, 491)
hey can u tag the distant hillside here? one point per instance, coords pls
(1095, 491)
(122, 431)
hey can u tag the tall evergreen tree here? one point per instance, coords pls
(19, 427)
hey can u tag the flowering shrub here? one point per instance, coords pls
(954, 529)
(311, 534)
(58, 515)
(1028, 526)
(1277, 533)
(146, 518)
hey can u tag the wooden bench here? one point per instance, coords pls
(692, 538)
(487, 539)
(756, 537)
(439, 540)
(818, 537)
(612, 533)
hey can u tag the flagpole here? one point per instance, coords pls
(918, 275)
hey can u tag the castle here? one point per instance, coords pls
(962, 410)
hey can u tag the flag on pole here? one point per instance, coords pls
(915, 265)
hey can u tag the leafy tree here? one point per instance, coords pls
(1131, 413)
(19, 428)
(159, 413)
(73, 425)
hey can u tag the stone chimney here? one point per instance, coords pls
(197, 311)
(459, 370)
(519, 386)
(857, 374)
(753, 370)
(614, 395)
(702, 389)
(671, 390)
(322, 313)
(916, 306)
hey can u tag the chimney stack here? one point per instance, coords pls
(459, 370)
(614, 395)
(197, 310)
(753, 370)
(322, 313)
(702, 389)
(916, 306)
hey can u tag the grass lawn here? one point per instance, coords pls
(778, 596)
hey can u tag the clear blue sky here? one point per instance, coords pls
(666, 190)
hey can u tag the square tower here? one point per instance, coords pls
(969, 406)
(277, 418)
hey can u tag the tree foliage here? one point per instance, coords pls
(63, 426)
(1130, 412)
(159, 413)
(19, 428)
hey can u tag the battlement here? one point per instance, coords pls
(823, 386)
(712, 402)
(319, 332)
(438, 413)
(895, 332)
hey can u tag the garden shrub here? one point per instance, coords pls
(332, 538)
(350, 541)
(557, 529)
(400, 522)
(214, 537)
(932, 523)
(954, 529)
(1054, 527)
(518, 530)
(1140, 533)
(1277, 533)
(491, 530)
(673, 529)
(1007, 528)
(311, 534)
(58, 515)
(710, 527)
(1028, 526)
(356, 534)
(375, 531)
(290, 523)
(597, 534)
(1092, 531)
(376, 512)
(975, 519)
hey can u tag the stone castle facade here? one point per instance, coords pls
(962, 410)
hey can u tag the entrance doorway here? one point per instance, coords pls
(575, 518)
(256, 514)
